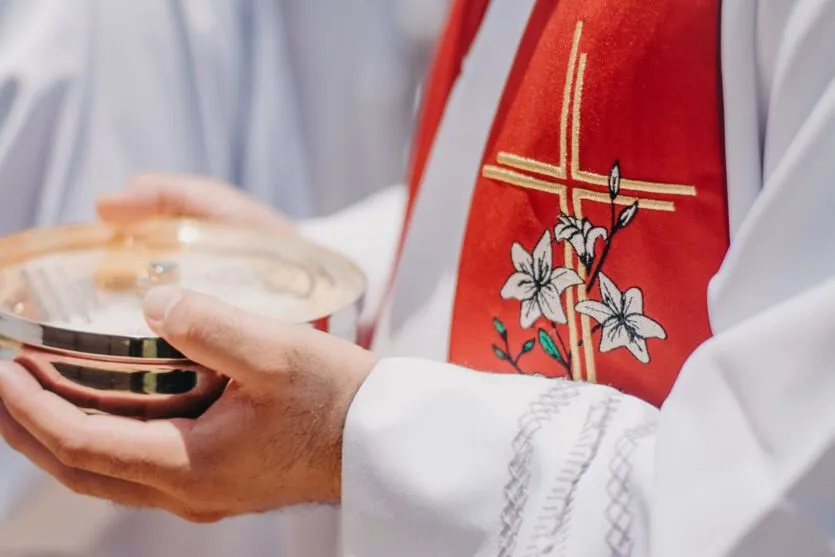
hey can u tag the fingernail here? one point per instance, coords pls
(160, 301)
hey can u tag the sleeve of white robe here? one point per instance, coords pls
(740, 461)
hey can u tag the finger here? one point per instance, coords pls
(150, 453)
(79, 481)
(94, 485)
(238, 344)
(166, 195)
(152, 195)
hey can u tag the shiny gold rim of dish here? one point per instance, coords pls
(179, 233)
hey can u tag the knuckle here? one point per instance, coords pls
(297, 357)
(172, 202)
(70, 450)
(189, 487)
(187, 322)
(171, 193)
(196, 320)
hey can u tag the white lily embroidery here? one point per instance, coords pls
(581, 234)
(537, 285)
(622, 316)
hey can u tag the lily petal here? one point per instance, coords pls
(594, 309)
(638, 347)
(633, 302)
(550, 304)
(563, 278)
(522, 260)
(565, 228)
(519, 287)
(542, 258)
(530, 312)
(645, 327)
(611, 295)
(585, 226)
(578, 244)
(595, 234)
(614, 335)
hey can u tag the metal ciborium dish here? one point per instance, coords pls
(71, 305)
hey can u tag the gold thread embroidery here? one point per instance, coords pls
(643, 203)
(599, 179)
(522, 180)
(566, 99)
(576, 173)
(511, 169)
(531, 165)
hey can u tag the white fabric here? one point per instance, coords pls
(741, 459)
(305, 105)
(429, 265)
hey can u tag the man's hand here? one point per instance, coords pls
(273, 439)
(169, 195)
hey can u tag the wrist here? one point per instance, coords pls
(354, 369)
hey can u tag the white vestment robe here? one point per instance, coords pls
(740, 460)
(305, 105)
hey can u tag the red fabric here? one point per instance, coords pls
(462, 25)
(322, 324)
(650, 99)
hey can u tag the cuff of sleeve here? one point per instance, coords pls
(426, 450)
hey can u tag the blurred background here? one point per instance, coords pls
(308, 105)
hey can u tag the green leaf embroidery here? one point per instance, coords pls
(502, 330)
(528, 346)
(548, 345)
(500, 353)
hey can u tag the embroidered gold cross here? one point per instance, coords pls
(569, 182)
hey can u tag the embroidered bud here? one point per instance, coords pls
(627, 215)
(614, 180)
(528, 346)
(500, 328)
(500, 353)
(549, 346)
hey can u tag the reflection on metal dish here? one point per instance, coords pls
(71, 297)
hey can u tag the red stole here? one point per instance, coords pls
(601, 211)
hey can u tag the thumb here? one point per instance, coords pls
(240, 345)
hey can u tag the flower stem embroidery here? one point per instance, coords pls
(539, 287)
(625, 217)
(553, 351)
(505, 353)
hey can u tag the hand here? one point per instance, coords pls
(273, 439)
(169, 195)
